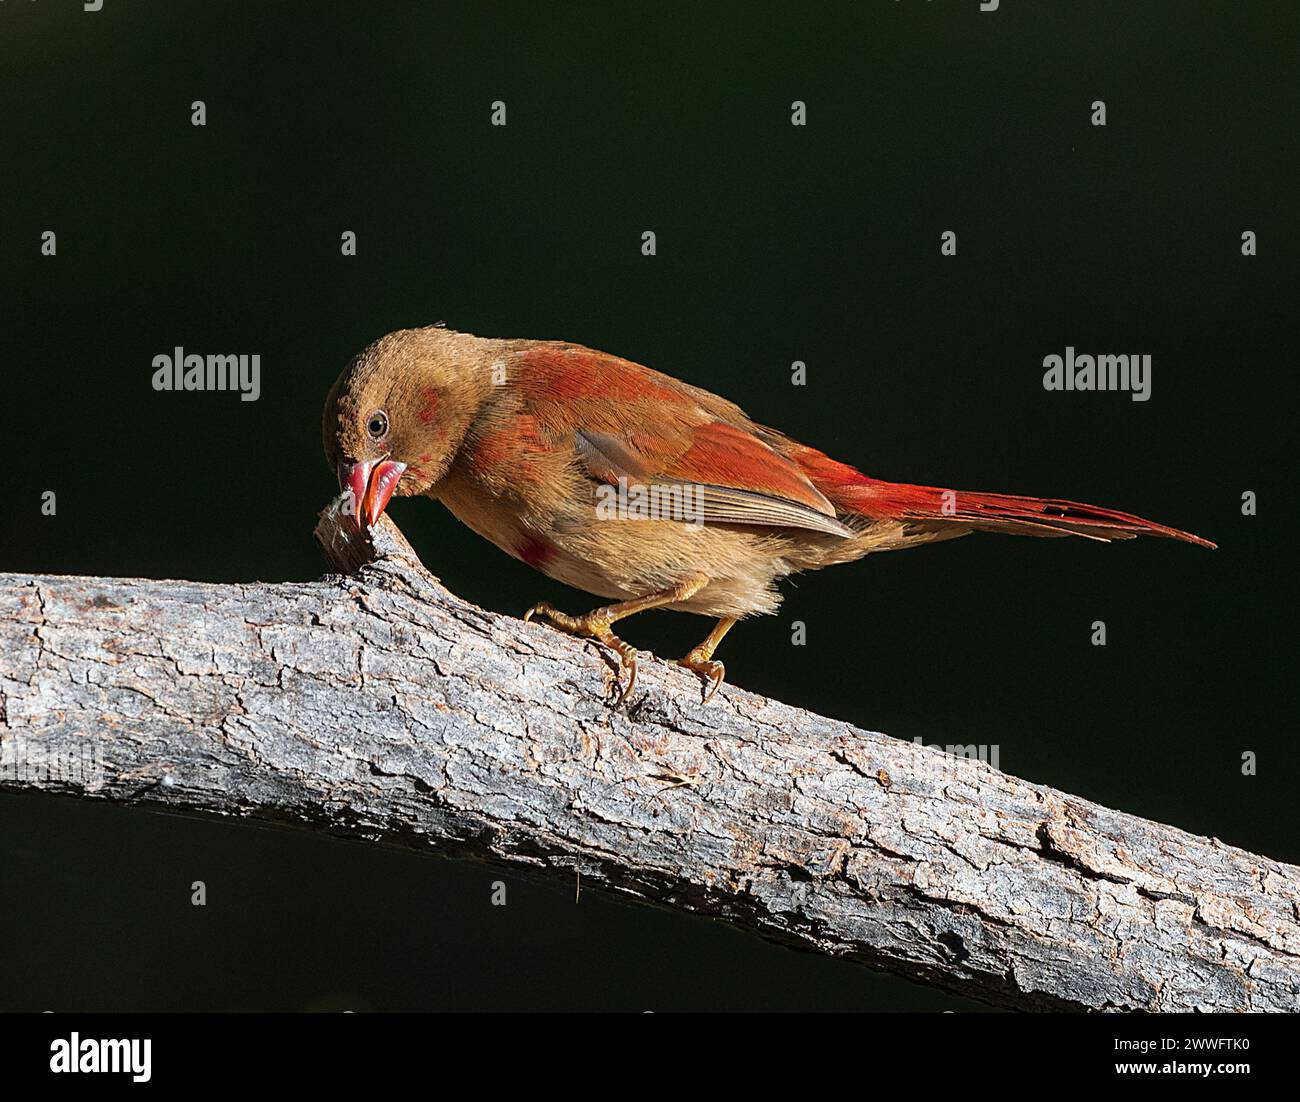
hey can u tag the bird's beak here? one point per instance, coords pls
(371, 484)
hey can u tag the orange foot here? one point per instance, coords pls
(594, 625)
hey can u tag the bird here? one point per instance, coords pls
(634, 486)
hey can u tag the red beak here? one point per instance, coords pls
(371, 484)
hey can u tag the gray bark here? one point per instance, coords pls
(379, 705)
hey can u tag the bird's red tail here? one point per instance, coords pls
(1009, 513)
(855, 494)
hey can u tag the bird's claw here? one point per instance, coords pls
(713, 672)
(596, 627)
(627, 663)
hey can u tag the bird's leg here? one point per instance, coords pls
(699, 658)
(596, 623)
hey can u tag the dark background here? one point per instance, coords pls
(775, 243)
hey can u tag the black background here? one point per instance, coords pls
(775, 243)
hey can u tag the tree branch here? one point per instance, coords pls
(379, 705)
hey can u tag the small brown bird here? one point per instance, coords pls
(631, 485)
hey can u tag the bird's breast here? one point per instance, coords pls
(570, 540)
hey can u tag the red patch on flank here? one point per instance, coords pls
(429, 411)
(536, 552)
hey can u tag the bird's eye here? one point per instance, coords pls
(377, 426)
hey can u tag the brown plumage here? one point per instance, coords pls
(552, 450)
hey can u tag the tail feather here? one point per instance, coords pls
(1007, 513)
(936, 509)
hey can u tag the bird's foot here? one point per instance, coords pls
(594, 625)
(712, 671)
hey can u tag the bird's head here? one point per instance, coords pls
(396, 417)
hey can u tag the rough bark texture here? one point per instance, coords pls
(381, 706)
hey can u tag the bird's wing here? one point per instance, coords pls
(628, 422)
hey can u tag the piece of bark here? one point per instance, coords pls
(378, 705)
